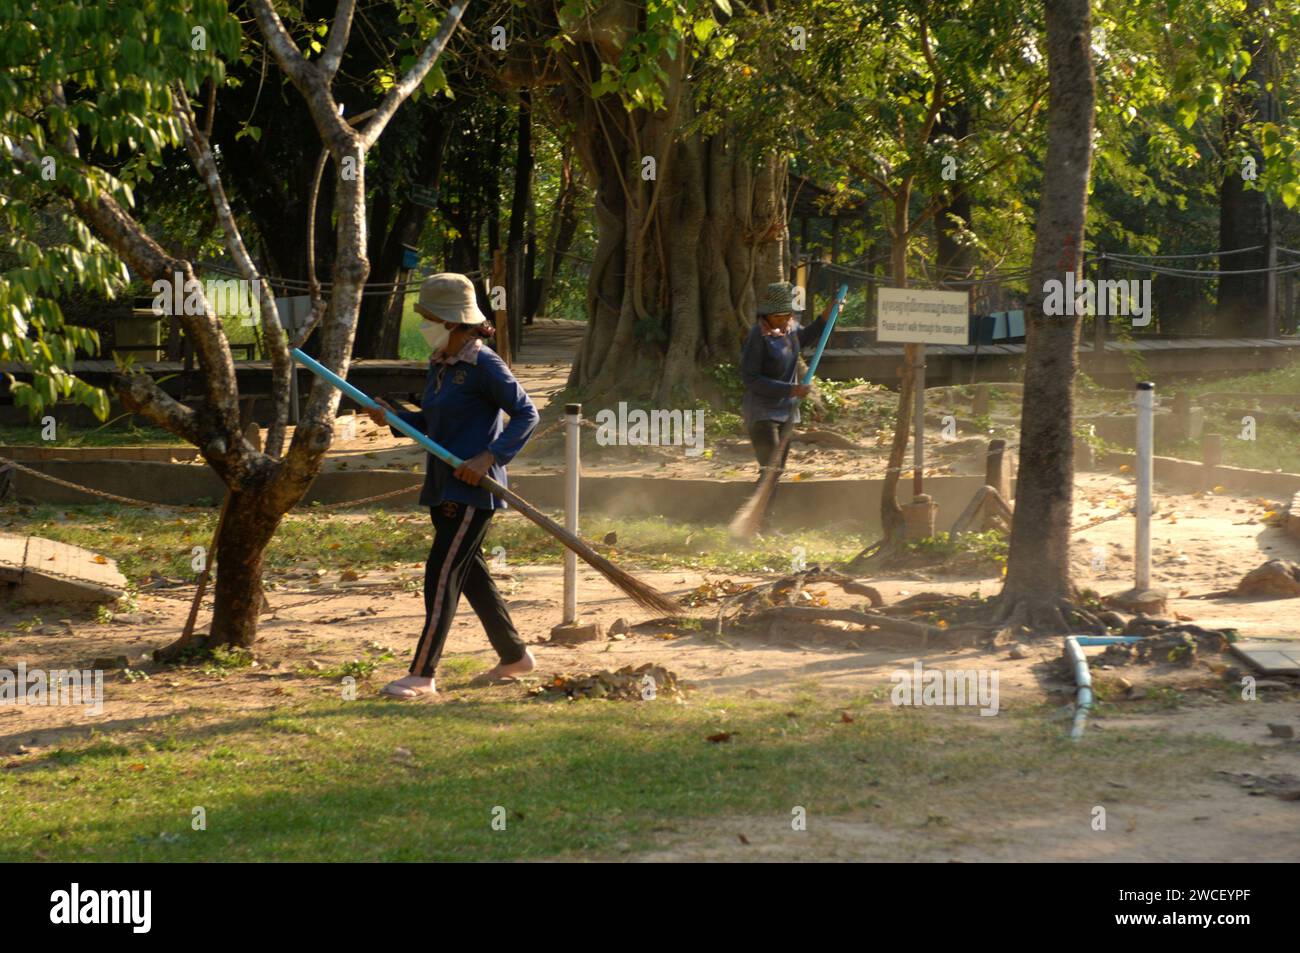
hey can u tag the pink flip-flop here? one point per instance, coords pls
(406, 692)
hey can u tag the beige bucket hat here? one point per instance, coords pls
(449, 296)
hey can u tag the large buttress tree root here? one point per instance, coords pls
(679, 254)
(1044, 615)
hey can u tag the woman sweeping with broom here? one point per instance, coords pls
(467, 390)
(769, 367)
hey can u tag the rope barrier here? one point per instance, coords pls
(556, 425)
(870, 278)
(126, 500)
(131, 501)
(1202, 254)
(375, 289)
(1203, 274)
(1135, 262)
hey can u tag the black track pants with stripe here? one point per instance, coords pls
(456, 565)
(766, 436)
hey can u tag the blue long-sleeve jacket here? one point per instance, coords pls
(461, 410)
(769, 365)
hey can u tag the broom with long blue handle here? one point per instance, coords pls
(638, 591)
(750, 516)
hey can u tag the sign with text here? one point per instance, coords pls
(908, 316)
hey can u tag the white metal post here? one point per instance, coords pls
(572, 431)
(1146, 394)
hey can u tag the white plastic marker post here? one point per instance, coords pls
(572, 431)
(1146, 401)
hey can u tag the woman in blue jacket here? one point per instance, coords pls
(467, 390)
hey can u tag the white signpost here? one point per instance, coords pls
(917, 318)
(909, 316)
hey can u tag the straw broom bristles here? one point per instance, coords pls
(639, 592)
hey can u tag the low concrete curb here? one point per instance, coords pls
(1198, 476)
(182, 453)
(803, 503)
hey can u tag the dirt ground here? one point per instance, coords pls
(1202, 543)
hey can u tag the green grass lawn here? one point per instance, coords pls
(240, 328)
(1283, 380)
(1277, 443)
(102, 435)
(369, 780)
(143, 542)
(410, 345)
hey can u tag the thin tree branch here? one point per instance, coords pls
(147, 259)
(306, 77)
(338, 41)
(399, 93)
(273, 334)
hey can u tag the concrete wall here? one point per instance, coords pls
(180, 453)
(805, 503)
(822, 503)
(1193, 475)
(826, 503)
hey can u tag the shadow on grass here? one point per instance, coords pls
(374, 781)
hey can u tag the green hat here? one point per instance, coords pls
(777, 299)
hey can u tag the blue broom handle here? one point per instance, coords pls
(323, 372)
(826, 333)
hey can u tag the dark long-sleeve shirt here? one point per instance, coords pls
(461, 410)
(769, 365)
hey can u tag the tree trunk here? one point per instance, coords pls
(687, 229)
(564, 225)
(517, 282)
(263, 486)
(1038, 583)
(954, 258)
(379, 326)
(494, 167)
(245, 533)
(891, 514)
(1243, 212)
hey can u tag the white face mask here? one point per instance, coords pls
(436, 335)
(782, 326)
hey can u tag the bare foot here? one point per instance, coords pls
(412, 686)
(511, 670)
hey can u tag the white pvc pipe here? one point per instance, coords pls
(572, 432)
(1082, 679)
(1146, 394)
